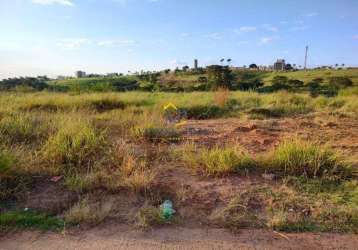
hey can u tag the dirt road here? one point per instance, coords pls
(123, 237)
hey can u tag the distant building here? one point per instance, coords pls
(112, 74)
(279, 65)
(195, 64)
(265, 68)
(80, 74)
(63, 77)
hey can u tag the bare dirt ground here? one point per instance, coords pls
(123, 237)
(262, 135)
(198, 196)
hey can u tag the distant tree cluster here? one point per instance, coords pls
(219, 76)
(35, 83)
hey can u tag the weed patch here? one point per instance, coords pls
(75, 144)
(299, 158)
(218, 161)
(21, 128)
(243, 211)
(86, 212)
(102, 105)
(29, 219)
(159, 134)
(149, 216)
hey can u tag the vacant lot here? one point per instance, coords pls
(234, 160)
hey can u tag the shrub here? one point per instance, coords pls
(280, 82)
(102, 105)
(340, 82)
(217, 161)
(249, 85)
(302, 158)
(295, 83)
(202, 79)
(202, 112)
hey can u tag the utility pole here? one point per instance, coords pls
(306, 56)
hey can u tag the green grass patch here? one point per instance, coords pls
(298, 158)
(217, 161)
(76, 144)
(22, 128)
(29, 220)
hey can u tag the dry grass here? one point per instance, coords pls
(86, 212)
(221, 97)
(93, 141)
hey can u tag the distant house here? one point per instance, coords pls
(80, 74)
(279, 65)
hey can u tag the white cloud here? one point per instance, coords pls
(312, 14)
(49, 2)
(242, 42)
(299, 28)
(247, 29)
(214, 36)
(267, 40)
(176, 63)
(73, 43)
(115, 43)
(271, 28)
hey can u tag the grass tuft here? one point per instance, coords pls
(217, 161)
(149, 216)
(86, 212)
(242, 211)
(75, 144)
(298, 158)
(21, 128)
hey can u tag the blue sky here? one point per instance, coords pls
(57, 37)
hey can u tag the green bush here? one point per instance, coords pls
(202, 112)
(340, 82)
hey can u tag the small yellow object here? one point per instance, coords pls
(181, 123)
(170, 105)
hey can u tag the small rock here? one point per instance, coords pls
(56, 178)
(269, 177)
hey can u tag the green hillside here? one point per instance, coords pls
(307, 76)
